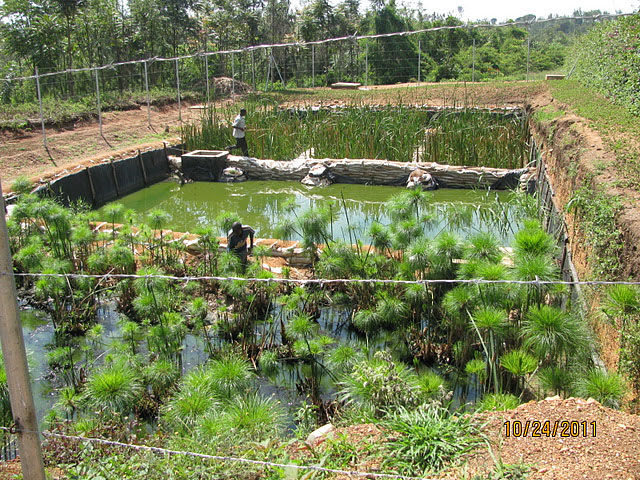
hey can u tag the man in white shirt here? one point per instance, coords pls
(239, 127)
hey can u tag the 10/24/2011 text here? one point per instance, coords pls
(548, 428)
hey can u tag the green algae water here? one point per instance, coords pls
(264, 204)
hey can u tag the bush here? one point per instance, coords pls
(607, 60)
(430, 438)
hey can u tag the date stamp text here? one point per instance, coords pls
(549, 428)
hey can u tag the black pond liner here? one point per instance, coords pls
(106, 182)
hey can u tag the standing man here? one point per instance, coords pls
(237, 242)
(239, 128)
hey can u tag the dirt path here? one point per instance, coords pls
(24, 154)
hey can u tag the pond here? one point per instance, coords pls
(264, 204)
(47, 381)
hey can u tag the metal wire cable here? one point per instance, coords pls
(328, 281)
(316, 42)
(166, 451)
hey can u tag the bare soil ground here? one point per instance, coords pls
(609, 448)
(23, 153)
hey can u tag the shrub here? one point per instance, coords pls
(429, 439)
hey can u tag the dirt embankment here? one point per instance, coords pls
(579, 164)
(563, 440)
(552, 439)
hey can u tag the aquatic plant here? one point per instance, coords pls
(466, 137)
(114, 389)
(558, 380)
(553, 335)
(498, 401)
(379, 384)
(605, 387)
(230, 374)
(186, 408)
(247, 418)
(520, 364)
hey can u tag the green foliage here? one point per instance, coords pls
(606, 59)
(21, 185)
(553, 335)
(519, 363)
(6, 419)
(498, 401)
(113, 389)
(607, 388)
(556, 379)
(597, 213)
(429, 439)
(250, 417)
(622, 300)
(360, 131)
(379, 384)
(187, 407)
(230, 374)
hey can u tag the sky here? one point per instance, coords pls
(510, 9)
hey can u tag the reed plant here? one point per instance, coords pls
(399, 133)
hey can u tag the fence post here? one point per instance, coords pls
(419, 59)
(178, 84)
(473, 67)
(146, 88)
(313, 65)
(528, 53)
(15, 361)
(98, 102)
(366, 64)
(44, 133)
(206, 72)
(233, 74)
(253, 70)
(269, 67)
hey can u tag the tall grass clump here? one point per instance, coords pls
(475, 138)
(430, 438)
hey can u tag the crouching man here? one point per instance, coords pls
(237, 242)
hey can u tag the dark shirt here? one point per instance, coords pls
(238, 243)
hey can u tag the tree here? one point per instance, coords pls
(69, 9)
(393, 58)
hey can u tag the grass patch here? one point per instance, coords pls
(618, 128)
(597, 213)
(58, 112)
(430, 439)
(548, 113)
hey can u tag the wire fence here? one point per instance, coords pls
(355, 58)
(330, 281)
(220, 458)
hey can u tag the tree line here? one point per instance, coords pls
(54, 35)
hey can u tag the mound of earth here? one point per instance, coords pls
(609, 450)
(225, 86)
